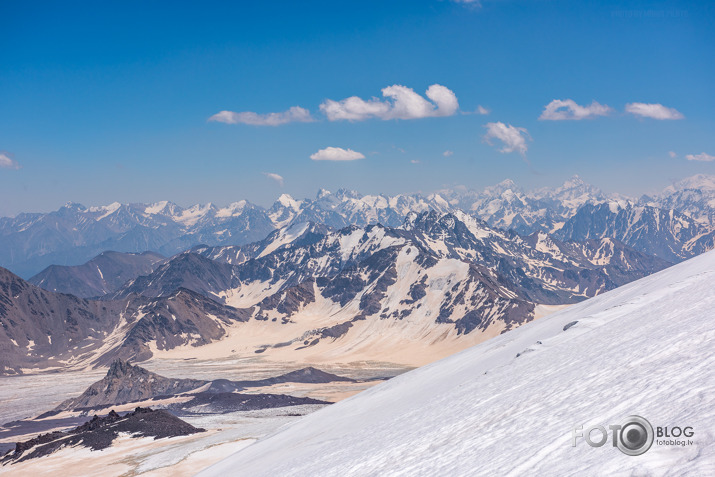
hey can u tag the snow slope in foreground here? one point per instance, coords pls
(645, 348)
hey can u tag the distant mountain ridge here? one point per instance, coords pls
(104, 274)
(665, 233)
(75, 234)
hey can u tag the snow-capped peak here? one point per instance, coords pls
(698, 181)
(105, 210)
(573, 182)
(74, 206)
(286, 200)
(156, 207)
(343, 194)
(232, 209)
(501, 188)
(439, 202)
(163, 207)
(616, 205)
(194, 213)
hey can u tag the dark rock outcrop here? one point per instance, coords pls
(100, 432)
(125, 383)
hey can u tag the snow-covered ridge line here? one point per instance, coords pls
(74, 233)
(573, 189)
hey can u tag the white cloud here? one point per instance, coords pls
(401, 103)
(275, 177)
(447, 153)
(672, 154)
(416, 161)
(567, 109)
(514, 138)
(700, 157)
(653, 110)
(294, 114)
(482, 110)
(6, 162)
(336, 154)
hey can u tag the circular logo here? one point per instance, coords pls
(636, 436)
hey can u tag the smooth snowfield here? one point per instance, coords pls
(645, 348)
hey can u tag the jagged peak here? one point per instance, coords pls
(696, 182)
(165, 207)
(344, 193)
(438, 200)
(322, 193)
(287, 200)
(233, 209)
(573, 182)
(107, 209)
(120, 368)
(201, 207)
(502, 187)
(430, 218)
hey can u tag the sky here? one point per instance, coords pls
(198, 102)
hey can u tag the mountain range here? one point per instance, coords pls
(439, 282)
(75, 234)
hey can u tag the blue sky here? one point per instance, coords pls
(110, 101)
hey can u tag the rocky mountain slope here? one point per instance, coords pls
(41, 327)
(187, 270)
(126, 386)
(45, 330)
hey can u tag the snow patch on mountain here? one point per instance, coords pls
(232, 209)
